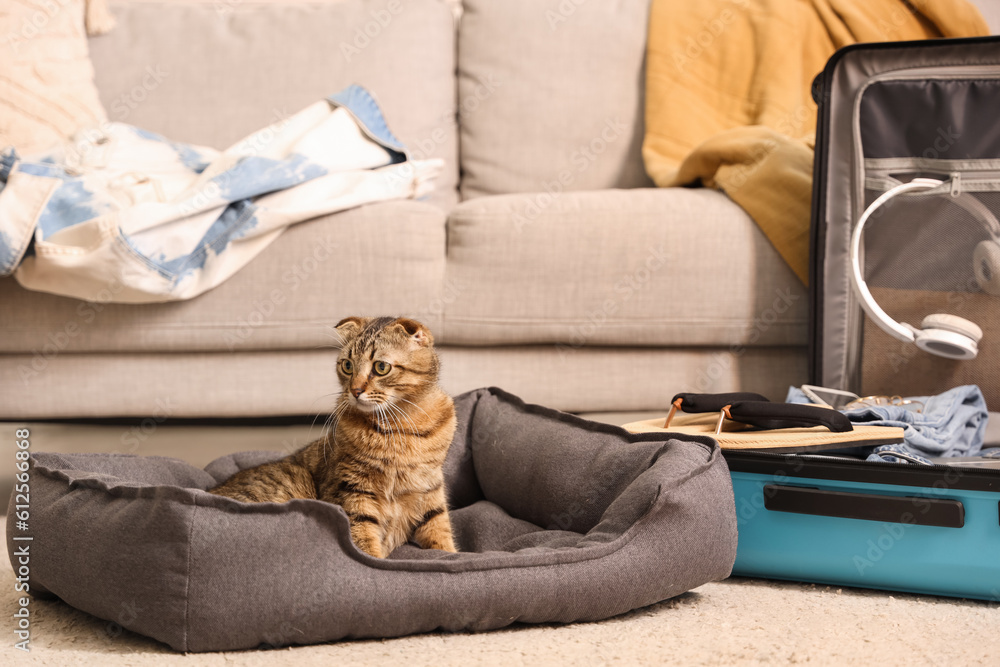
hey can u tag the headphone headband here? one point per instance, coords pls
(903, 332)
(959, 339)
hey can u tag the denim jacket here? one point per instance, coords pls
(127, 212)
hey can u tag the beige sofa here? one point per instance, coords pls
(545, 263)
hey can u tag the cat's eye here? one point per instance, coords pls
(346, 366)
(381, 368)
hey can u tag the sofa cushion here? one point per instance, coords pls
(550, 95)
(386, 257)
(643, 267)
(210, 73)
(156, 387)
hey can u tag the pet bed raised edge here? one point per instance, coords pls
(559, 519)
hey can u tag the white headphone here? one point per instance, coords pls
(944, 335)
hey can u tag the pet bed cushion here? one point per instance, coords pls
(558, 519)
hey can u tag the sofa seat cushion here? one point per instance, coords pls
(386, 257)
(210, 73)
(643, 267)
(155, 387)
(558, 520)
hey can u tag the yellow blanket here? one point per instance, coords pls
(728, 100)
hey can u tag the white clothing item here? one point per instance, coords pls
(126, 212)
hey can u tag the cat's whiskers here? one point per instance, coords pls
(405, 418)
(333, 423)
(326, 423)
(414, 405)
(396, 441)
(401, 415)
(335, 332)
(382, 418)
(395, 432)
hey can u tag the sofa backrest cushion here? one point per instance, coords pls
(211, 73)
(551, 95)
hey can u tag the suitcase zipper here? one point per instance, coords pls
(944, 73)
(804, 466)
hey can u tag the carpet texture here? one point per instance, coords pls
(734, 622)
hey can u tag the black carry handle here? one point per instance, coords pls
(756, 410)
(916, 510)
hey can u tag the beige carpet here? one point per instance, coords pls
(735, 622)
(739, 621)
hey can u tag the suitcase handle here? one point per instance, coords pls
(913, 510)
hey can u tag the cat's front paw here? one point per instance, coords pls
(367, 539)
(372, 549)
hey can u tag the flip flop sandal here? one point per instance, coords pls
(744, 420)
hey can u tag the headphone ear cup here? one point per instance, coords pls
(953, 323)
(986, 265)
(949, 336)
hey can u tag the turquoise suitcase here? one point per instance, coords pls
(845, 522)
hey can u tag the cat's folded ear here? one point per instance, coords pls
(419, 335)
(349, 327)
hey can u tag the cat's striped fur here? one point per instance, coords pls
(382, 460)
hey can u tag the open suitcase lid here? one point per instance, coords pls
(888, 113)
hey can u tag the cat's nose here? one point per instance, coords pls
(357, 391)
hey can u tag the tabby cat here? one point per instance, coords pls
(382, 459)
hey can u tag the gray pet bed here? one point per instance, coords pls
(558, 519)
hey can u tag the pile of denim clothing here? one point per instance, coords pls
(949, 424)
